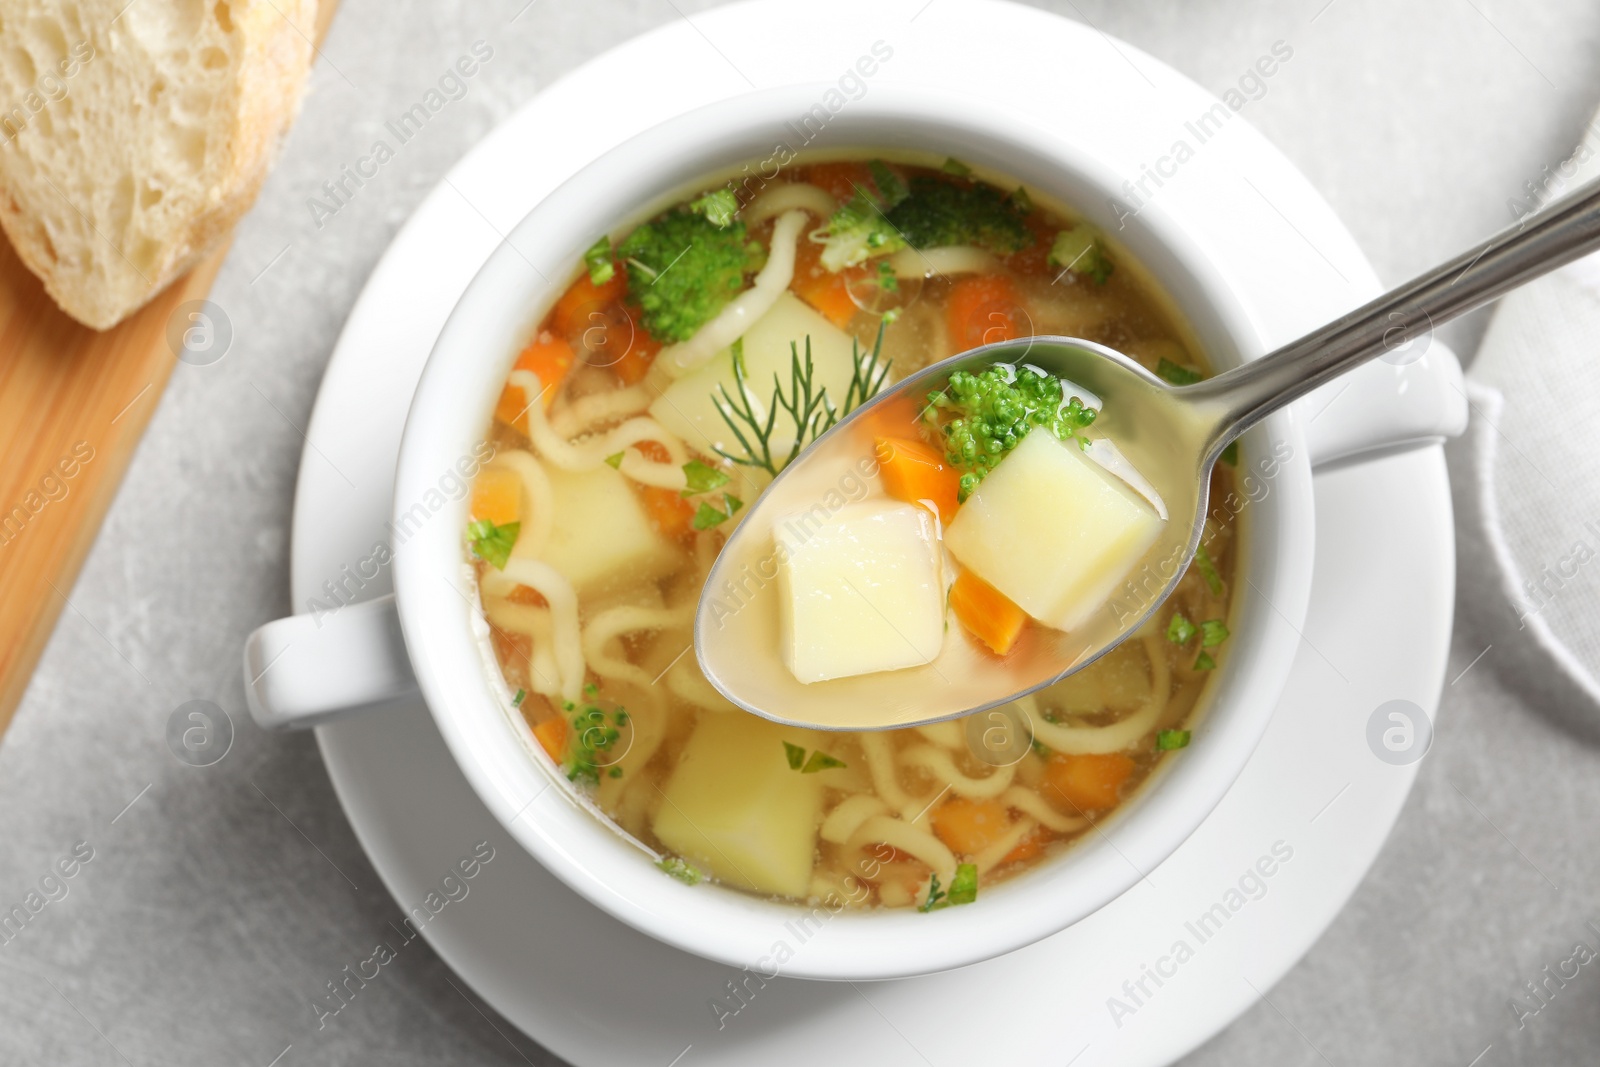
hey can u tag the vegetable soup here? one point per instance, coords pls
(686, 364)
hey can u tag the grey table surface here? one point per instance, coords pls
(205, 906)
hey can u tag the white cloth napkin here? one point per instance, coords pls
(1535, 456)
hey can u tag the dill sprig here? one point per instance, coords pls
(807, 405)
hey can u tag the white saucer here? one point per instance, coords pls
(597, 992)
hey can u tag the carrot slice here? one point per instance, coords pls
(523, 594)
(497, 496)
(508, 646)
(570, 316)
(823, 289)
(1088, 782)
(636, 360)
(988, 614)
(552, 737)
(668, 511)
(983, 310)
(548, 357)
(1028, 848)
(969, 826)
(916, 472)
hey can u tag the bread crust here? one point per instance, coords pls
(266, 91)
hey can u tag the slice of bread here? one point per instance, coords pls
(133, 135)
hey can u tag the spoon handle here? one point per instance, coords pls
(1407, 314)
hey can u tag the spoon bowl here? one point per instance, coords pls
(1169, 440)
(1170, 436)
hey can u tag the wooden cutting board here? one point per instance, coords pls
(73, 404)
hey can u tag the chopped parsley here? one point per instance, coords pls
(819, 761)
(1020, 200)
(708, 515)
(614, 461)
(1081, 251)
(718, 206)
(964, 886)
(1208, 570)
(1177, 373)
(598, 260)
(516, 701)
(701, 478)
(1230, 455)
(1204, 662)
(594, 733)
(888, 280)
(956, 168)
(1171, 740)
(1212, 633)
(492, 543)
(963, 889)
(685, 872)
(1180, 629)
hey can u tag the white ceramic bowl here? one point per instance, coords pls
(355, 659)
(450, 414)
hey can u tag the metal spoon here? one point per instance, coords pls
(1171, 434)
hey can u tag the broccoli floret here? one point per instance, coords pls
(858, 230)
(940, 213)
(683, 268)
(1081, 251)
(993, 411)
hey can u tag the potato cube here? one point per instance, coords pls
(861, 591)
(1053, 530)
(735, 807)
(601, 533)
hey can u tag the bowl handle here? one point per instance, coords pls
(1385, 407)
(310, 669)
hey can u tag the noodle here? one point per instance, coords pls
(537, 515)
(996, 853)
(848, 815)
(790, 196)
(1030, 803)
(903, 837)
(939, 262)
(587, 413)
(544, 677)
(647, 729)
(939, 763)
(557, 591)
(593, 451)
(1078, 740)
(880, 762)
(612, 623)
